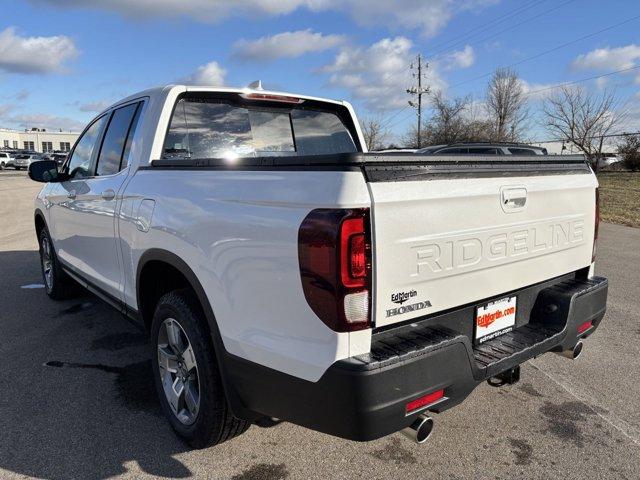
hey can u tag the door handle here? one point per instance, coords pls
(108, 194)
(514, 198)
(71, 194)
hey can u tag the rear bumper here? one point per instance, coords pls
(364, 398)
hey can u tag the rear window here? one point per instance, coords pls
(213, 128)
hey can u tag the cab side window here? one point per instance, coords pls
(110, 158)
(79, 165)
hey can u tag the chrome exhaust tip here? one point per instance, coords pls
(572, 353)
(420, 430)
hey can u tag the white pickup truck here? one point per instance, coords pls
(283, 272)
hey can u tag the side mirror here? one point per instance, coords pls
(45, 171)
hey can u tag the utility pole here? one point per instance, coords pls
(419, 91)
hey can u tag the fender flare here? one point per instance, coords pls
(40, 214)
(156, 254)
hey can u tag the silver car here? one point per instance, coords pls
(484, 148)
(24, 160)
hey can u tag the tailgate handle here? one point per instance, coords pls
(514, 198)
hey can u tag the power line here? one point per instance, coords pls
(538, 55)
(565, 84)
(552, 87)
(400, 120)
(610, 135)
(437, 54)
(515, 25)
(385, 124)
(488, 25)
(519, 10)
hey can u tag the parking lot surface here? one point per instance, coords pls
(78, 401)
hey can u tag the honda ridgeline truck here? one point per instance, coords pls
(283, 272)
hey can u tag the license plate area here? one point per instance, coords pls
(494, 318)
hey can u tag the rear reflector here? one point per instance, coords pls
(583, 327)
(425, 401)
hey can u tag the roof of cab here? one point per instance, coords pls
(164, 90)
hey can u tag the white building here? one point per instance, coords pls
(39, 140)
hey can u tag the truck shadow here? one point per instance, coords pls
(80, 400)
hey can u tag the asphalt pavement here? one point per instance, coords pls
(77, 398)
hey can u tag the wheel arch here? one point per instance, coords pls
(159, 258)
(39, 221)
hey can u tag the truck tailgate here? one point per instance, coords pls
(454, 236)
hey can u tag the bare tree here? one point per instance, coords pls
(630, 151)
(506, 105)
(448, 123)
(375, 133)
(410, 138)
(583, 118)
(454, 120)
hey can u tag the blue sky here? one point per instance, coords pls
(61, 60)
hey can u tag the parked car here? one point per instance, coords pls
(58, 157)
(24, 160)
(5, 160)
(483, 149)
(608, 159)
(281, 271)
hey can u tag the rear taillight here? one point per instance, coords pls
(334, 250)
(597, 225)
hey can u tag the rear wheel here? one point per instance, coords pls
(57, 283)
(186, 373)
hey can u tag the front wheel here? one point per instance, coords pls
(186, 373)
(57, 283)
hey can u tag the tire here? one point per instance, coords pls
(183, 350)
(57, 284)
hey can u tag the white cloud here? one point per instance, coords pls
(608, 58)
(537, 91)
(199, 10)
(459, 59)
(95, 107)
(34, 54)
(379, 74)
(5, 109)
(45, 120)
(428, 16)
(211, 74)
(286, 44)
